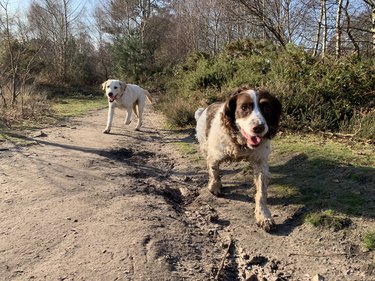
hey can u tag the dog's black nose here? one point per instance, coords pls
(110, 94)
(258, 129)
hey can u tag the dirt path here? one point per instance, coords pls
(82, 205)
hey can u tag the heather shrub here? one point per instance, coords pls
(335, 95)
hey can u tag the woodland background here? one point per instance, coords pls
(316, 56)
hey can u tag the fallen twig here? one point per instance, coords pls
(317, 255)
(221, 266)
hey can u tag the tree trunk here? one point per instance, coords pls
(338, 29)
(348, 29)
(318, 31)
(12, 60)
(287, 12)
(65, 40)
(13, 88)
(325, 28)
(5, 105)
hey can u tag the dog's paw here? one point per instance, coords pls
(106, 131)
(268, 224)
(214, 188)
(215, 192)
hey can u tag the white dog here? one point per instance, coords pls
(128, 96)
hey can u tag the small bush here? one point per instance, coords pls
(369, 240)
(180, 112)
(286, 191)
(361, 124)
(328, 219)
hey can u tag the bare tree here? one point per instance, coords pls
(371, 4)
(16, 72)
(325, 28)
(5, 22)
(318, 29)
(349, 28)
(338, 28)
(208, 24)
(267, 15)
(361, 18)
(281, 21)
(102, 46)
(126, 17)
(54, 21)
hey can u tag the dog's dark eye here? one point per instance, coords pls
(115, 87)
(265, 107)
(246, 107)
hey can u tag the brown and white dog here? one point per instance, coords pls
(241, 129)
(128, 96)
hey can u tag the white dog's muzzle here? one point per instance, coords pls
(111, 97)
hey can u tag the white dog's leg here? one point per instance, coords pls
(140, 108)
(263, 215)
(214, 181)
(111, 112)
(129, 115)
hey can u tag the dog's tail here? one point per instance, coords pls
(148, 95)
(198, 113)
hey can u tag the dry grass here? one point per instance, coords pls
(31, 107)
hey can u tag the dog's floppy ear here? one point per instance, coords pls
(229, 111)
(272, 115)
(104, 84)
(122, 86)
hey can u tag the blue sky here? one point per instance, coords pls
(19, 8)
(20, 5)
(23, 5)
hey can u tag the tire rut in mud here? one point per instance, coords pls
(150, 172)
(153, 174)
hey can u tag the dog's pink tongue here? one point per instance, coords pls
(254, 140)
(251, 140)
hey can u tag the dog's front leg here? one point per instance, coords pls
(214, 181)
(111, 112)
(129, 115)
(263, 215)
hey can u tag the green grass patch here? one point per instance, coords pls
(62, 107)
(286, 191)
(186, 148)
(369, 240)
(322, 148)
(323, 173)
(184, 142)
(78, 105)
(15, 138)
(313, 171)
(328, 219)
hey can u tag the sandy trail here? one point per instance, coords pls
(82, 205)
